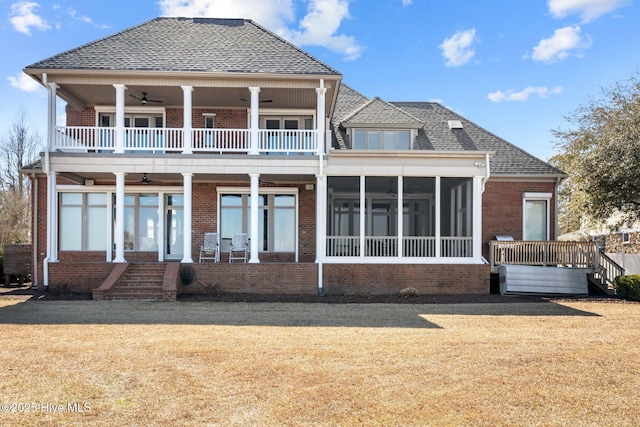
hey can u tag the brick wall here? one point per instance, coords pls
(227, 118)
(298, 278)
(502, 209)
(379, 279)
(75, 117)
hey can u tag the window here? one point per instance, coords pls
(535, 223)
(381, 139)
(140, 222)
(209, 121)
(626, 238)
(83, 218)
(276, 220)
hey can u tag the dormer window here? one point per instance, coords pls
(380, 139)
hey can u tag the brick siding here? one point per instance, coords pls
(502, 209)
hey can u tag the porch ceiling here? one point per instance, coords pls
(177, 179)
(172, 96)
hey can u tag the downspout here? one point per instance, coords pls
(555, 209)
(46, 168)
(488, 174)
(34, 219)
(321, 183)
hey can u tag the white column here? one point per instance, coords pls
(321, 92)
(119, 217)
(120, 88)
(363, 213)
(400, 214)
(188, 202)
(477, 218)
(52, 225)
(321, 218)
(438, 211)
(255, 121)
(51, 118)
(253, 211)
(187, 147)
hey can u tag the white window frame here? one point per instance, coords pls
(294, 191)
(382, 132)
(546, 197)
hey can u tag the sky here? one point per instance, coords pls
(516, 68)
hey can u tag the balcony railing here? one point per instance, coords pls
(287, 141)
(103, 139)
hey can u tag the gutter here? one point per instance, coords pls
(46, 168)
(488, 174)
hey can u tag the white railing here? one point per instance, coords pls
(87, 139)
(413, 246)
(343, 246)
(84, 139)
(287, 141)
(419, 246)
(456, 247)
(382, 246)
(153, 139)
(221, 140)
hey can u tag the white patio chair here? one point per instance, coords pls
(239, 248)
(210, 248)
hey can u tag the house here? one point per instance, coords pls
(184, 126)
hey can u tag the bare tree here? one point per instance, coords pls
(18, 148)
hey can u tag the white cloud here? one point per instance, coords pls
(272, 14)
(407, 2)
(319, 27)
(523, 95)
(558, 46)
(24, 82)
(588, 10)
(23, 17)
(74, 14)
(457, 49)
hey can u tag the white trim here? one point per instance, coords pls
(546, 197)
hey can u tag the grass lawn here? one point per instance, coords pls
(565, 363)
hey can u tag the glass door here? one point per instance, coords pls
(174, 226)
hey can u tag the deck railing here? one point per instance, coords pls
(103, 139)
(607, 269)
(541, 253)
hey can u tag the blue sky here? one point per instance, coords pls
(517, 68)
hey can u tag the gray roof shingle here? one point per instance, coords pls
(380, 111)
(437, 135)
(191, 45)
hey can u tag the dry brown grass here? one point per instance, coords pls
(570, 363)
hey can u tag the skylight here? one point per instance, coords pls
(455, 124)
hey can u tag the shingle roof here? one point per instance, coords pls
(436, 134)
(191, 45)
(508, 158)
(380, 111)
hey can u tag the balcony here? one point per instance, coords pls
(83, 139)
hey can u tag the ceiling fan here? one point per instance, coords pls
(262, 100)
(143, 100)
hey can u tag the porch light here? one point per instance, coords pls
(145, 180)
